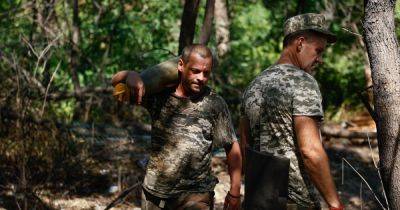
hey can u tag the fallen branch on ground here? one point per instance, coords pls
(122, 196)
(343, 133)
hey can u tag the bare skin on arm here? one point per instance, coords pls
(244, 138)
(315, 159)
(234, 162)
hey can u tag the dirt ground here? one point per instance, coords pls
(122, 161)
(349, 188)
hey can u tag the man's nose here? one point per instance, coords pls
(201, 77)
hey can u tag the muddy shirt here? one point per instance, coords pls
(269, 103)
(184, 133)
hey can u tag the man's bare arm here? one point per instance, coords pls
(244, 138)
(234, 162)
(315, 159)
(149, 81)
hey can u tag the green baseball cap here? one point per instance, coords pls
(309, 21)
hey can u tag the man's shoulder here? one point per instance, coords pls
(212, 98)
(289, 70)
(288, 74)
(279, 80)
(215, 96)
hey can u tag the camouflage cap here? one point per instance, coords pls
(309, 21)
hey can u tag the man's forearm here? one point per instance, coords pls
(315, 159)
(320, 174)
(119, 77)
(234, 161)
(244, 135)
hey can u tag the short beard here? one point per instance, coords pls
(187, 86)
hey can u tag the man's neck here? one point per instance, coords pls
(288, 56)
(182, 92)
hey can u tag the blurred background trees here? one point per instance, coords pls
(90, 40)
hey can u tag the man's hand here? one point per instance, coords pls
(128, 84)
(136, 86)
(232, 202)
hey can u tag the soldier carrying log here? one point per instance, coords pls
(188, 121)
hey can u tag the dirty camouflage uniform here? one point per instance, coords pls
(270, 102)
(184, 133)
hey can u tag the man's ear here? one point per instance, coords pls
(180, 65)
(299, 43)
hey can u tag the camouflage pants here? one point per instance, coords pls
(186, 201)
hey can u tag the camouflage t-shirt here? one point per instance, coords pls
(184, 133)
(269, 103)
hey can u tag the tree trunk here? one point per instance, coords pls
(74, 63)
(367, 68)
(34, 21)
(207, 23)
(188, 23)
(301, 6)
(221, 27)
(75, 34)
(384, 55)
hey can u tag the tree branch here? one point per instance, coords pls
(207, 23)
(188, 23)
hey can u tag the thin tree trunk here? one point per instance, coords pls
(75, 43)
(367, 68)
(384, 55)
(207, 24)
(221, 27)
(188, 25)
(74, 63)
(48, 17)
(301, 5)
(34, 21)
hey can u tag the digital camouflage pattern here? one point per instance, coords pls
(269, 103)
(309, 21)
(184, 133)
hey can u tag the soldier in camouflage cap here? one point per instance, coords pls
(189, 120)
(281, 110)
(310, 21)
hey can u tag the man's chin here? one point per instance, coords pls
(196, 90)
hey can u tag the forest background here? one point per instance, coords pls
(57, 59)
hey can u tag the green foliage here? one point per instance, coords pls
(117, 35)
(252, 49)
(127, 36)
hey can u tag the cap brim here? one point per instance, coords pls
(331, 38)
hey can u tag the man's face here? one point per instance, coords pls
(310, 53)
(195, 73)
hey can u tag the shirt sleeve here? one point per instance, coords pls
(223, 131)
(307, 99)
